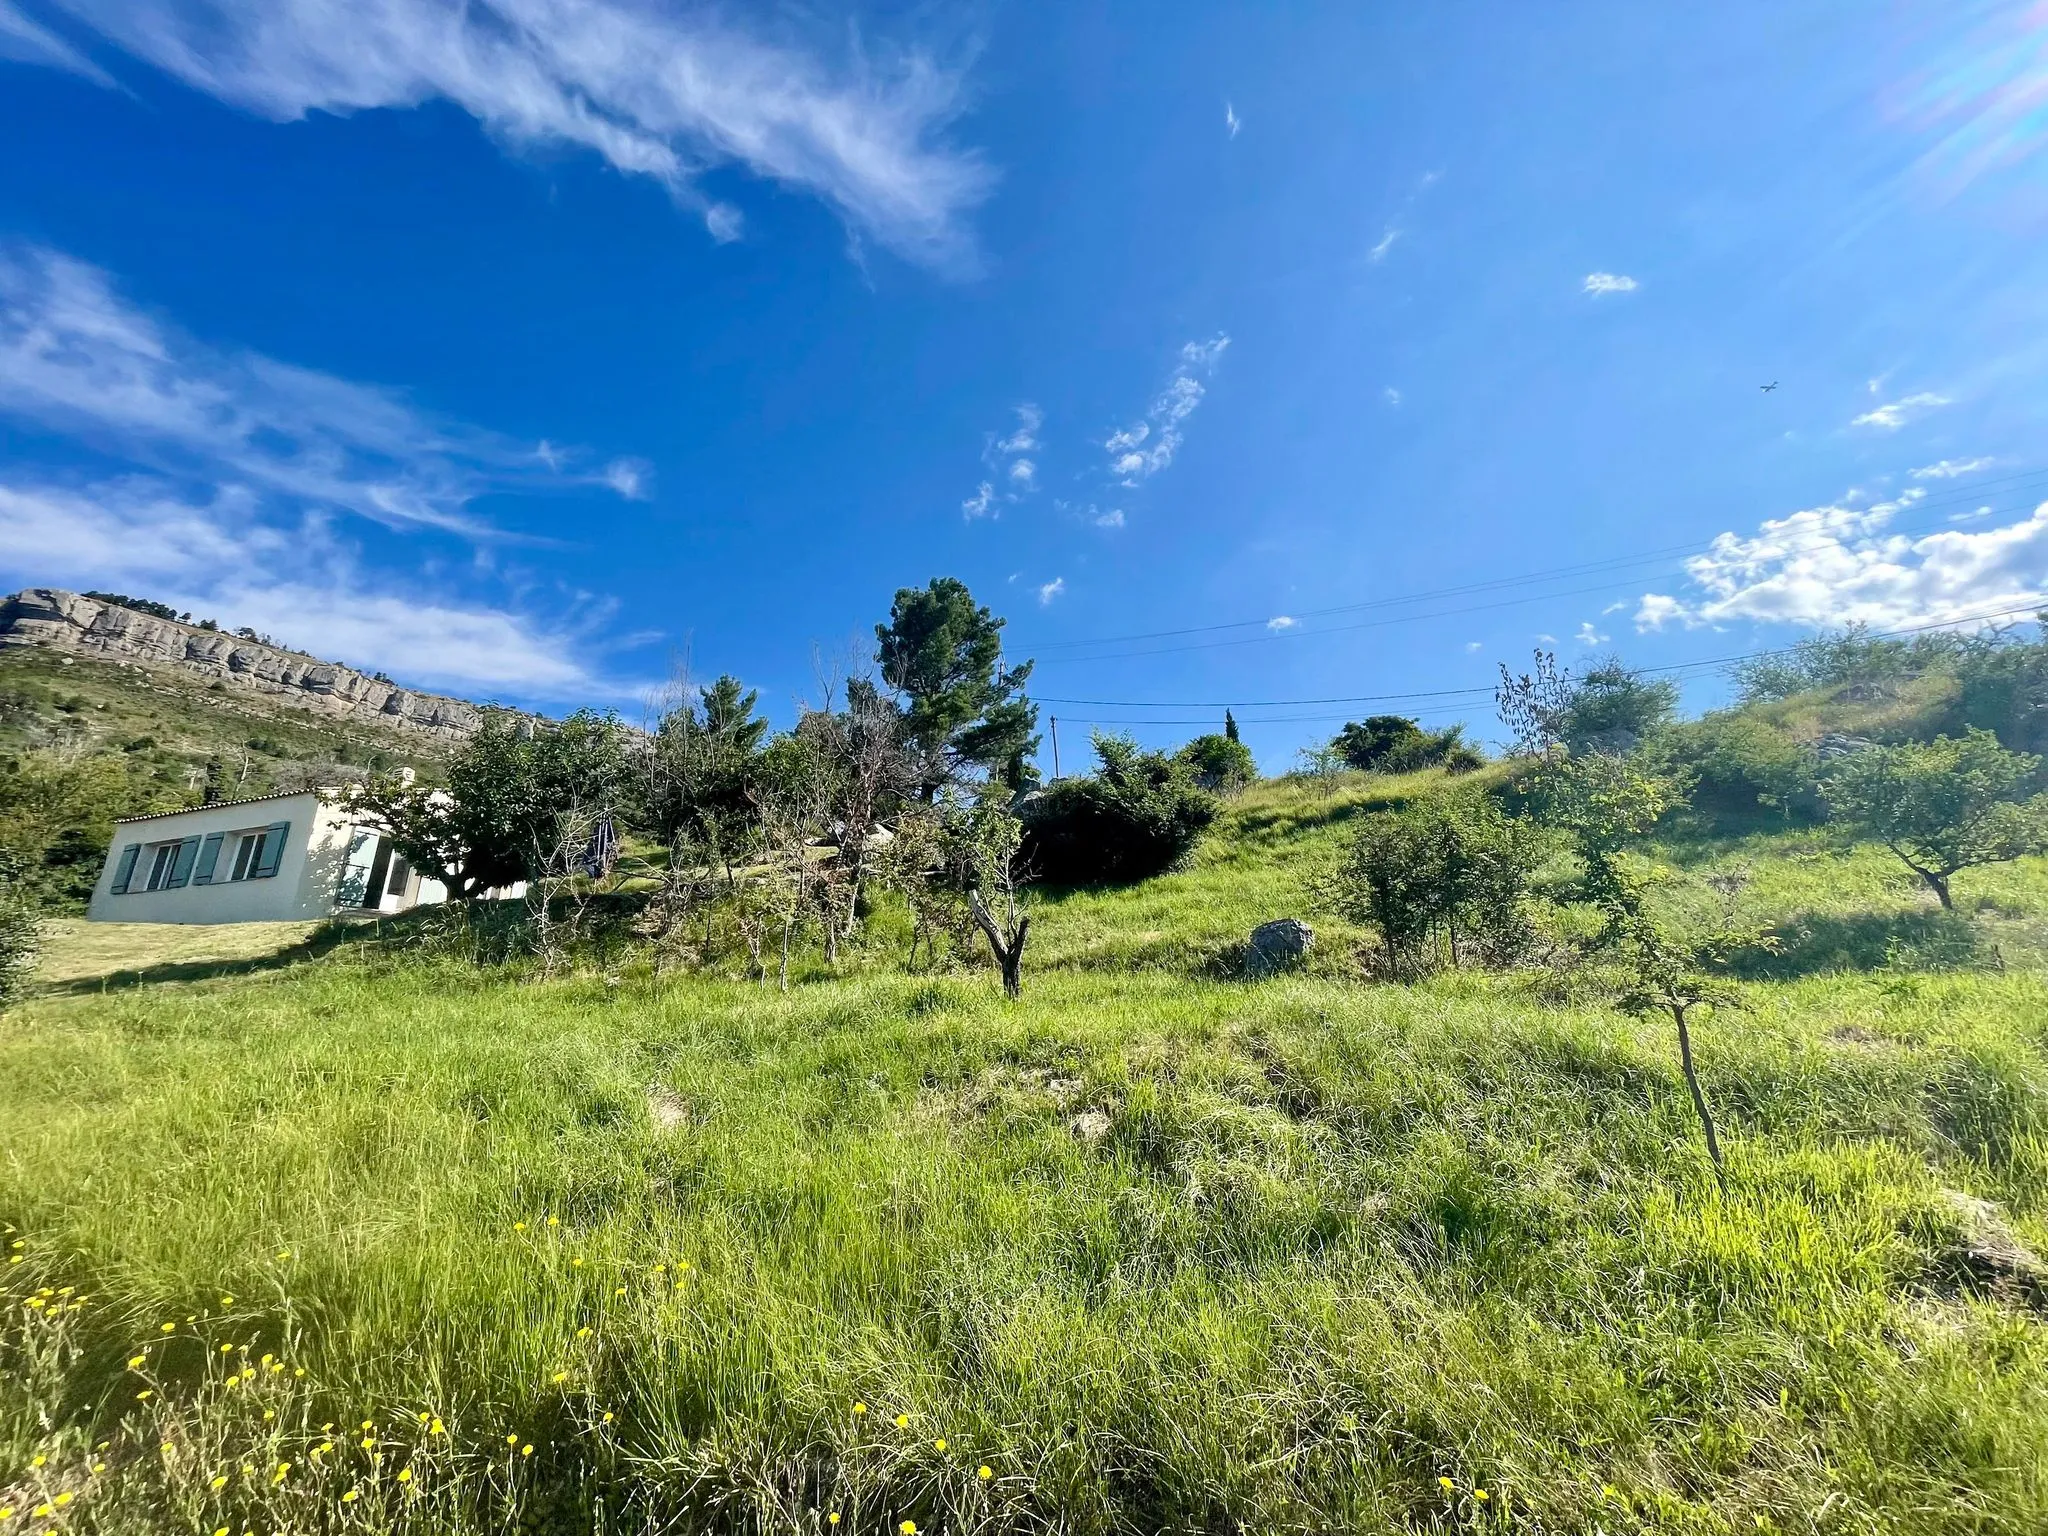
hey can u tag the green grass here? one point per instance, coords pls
(1315, 1247)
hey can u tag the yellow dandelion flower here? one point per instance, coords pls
(938, 1445)
(284, 1466)
(511, 1439)
(14, 1258)
(135, 1362)
(37, 1461)
(1481, 1495)
(98, 1467)
(405, 1474)
(277, 1367)
(369, 1442)
(526, 1450)
(269, 1413)
(518, 1226)
(908, 1528)
(620, 1291)
(577, 1262)
(62, 1499)
(169, 1328)
(436, 1428)
(142, 1396)
(249, 1373)
(1446, 1484)
(218, 1483)
(43, 1511)
(1607, 1491)
(833, 1518)
(266, 1360)
(860, 1407)
(560, 1377)
(283, 1254)
(227, 1349)
(369, 1423)
(299, 1371)
(6, 1511)
(227, 1301)
(554, 1221)
(583, 1332)
(984, 1473)
(223, 1531)
(350, 1497)
(903, 1421)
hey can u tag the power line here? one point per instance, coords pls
(1611, 567)
(1475, 693)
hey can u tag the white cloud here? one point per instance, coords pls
(1546, 639)
(1280, 622)
(1949, 469)
(29, 42)
(222, 560)
(629, 477)
(1141, 450)
(1471, 646)
(1891, 417)
(1588, 635)
(77, 358)
(1614, 608)
(1051, 590)
(663, 92)
(1023, 474)
(1608, 282)
(1386, 244)
(1391, 395)
(1113, 518)
(981, 503)
(1025, 439)
(1231, 120)
(1835, 565)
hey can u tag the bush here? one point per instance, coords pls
(21, 932)
(1739, 763)
(1220, 764)
(1396, 744)
(1450, 868)
(1139, 815)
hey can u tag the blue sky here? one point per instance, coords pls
(528, 350)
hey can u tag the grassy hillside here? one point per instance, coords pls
(1158, 1248)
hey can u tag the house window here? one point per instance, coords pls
(248, 854)
(163, 859)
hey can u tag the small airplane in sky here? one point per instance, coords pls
(1767, 388)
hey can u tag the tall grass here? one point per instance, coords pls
(1160, 1249)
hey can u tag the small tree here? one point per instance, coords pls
(1601, 804)
(1449, 867)
(1396, 744)
(1229, 726)
(1136, 816)
(985, 849)
(1942, 806)
(1220, 764)
(1610, 709)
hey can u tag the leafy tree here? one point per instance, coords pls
(1138, 814)
(21, 931)
(964, 711)
(985, 844)
(1396, 744)
(1220, 764)
(1601, 804)
(1738, 762)
(1449, 867)
(698, 767)
(57, 813)
(1943, 806)
(516, 792)
(1610, 709)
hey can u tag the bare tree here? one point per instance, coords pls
(986, 841)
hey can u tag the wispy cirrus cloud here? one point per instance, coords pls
(663, 92)
(1834, 565)
(26, 41)
(222, 479)
(1601, 283)
(1895, 414)
(1008, 456)
(1231, 121)
(78, 358)
(1950, 469)
(1052, 589)
(1145, 447)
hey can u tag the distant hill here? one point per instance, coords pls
(137, 632)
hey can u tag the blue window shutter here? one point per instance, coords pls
(273, 850)
(209, 856)
(181, 866)
(125, 870)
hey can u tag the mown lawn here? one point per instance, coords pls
(1161, 1249)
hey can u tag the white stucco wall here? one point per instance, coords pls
(303, 887)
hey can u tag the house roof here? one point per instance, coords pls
(218, 805)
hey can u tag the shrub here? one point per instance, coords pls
(1396, 744)
(1738, 763)
(1449, 868)
(1220, 763)
(1139, 814)
(21, 931)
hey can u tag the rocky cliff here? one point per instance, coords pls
(85, 626)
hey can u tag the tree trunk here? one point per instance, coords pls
(1939, 885)
(1009, 956)
(785, 955)
(1699, 1099)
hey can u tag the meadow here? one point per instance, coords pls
(359, 1237)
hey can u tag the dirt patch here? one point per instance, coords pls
(1991, 1254)
(669, 1110)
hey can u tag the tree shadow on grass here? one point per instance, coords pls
(321, 941)
(1814, 943)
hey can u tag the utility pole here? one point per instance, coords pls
(1055, 749)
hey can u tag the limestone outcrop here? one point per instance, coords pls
(75, 625)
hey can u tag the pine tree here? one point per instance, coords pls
(964, 712)
(1229, 726)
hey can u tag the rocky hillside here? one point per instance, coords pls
(67, 623)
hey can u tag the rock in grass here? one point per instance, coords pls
(1089, 1127)
(1277, 945)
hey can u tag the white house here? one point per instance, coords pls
(272, 859)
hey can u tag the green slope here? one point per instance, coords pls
(1161, 1249)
